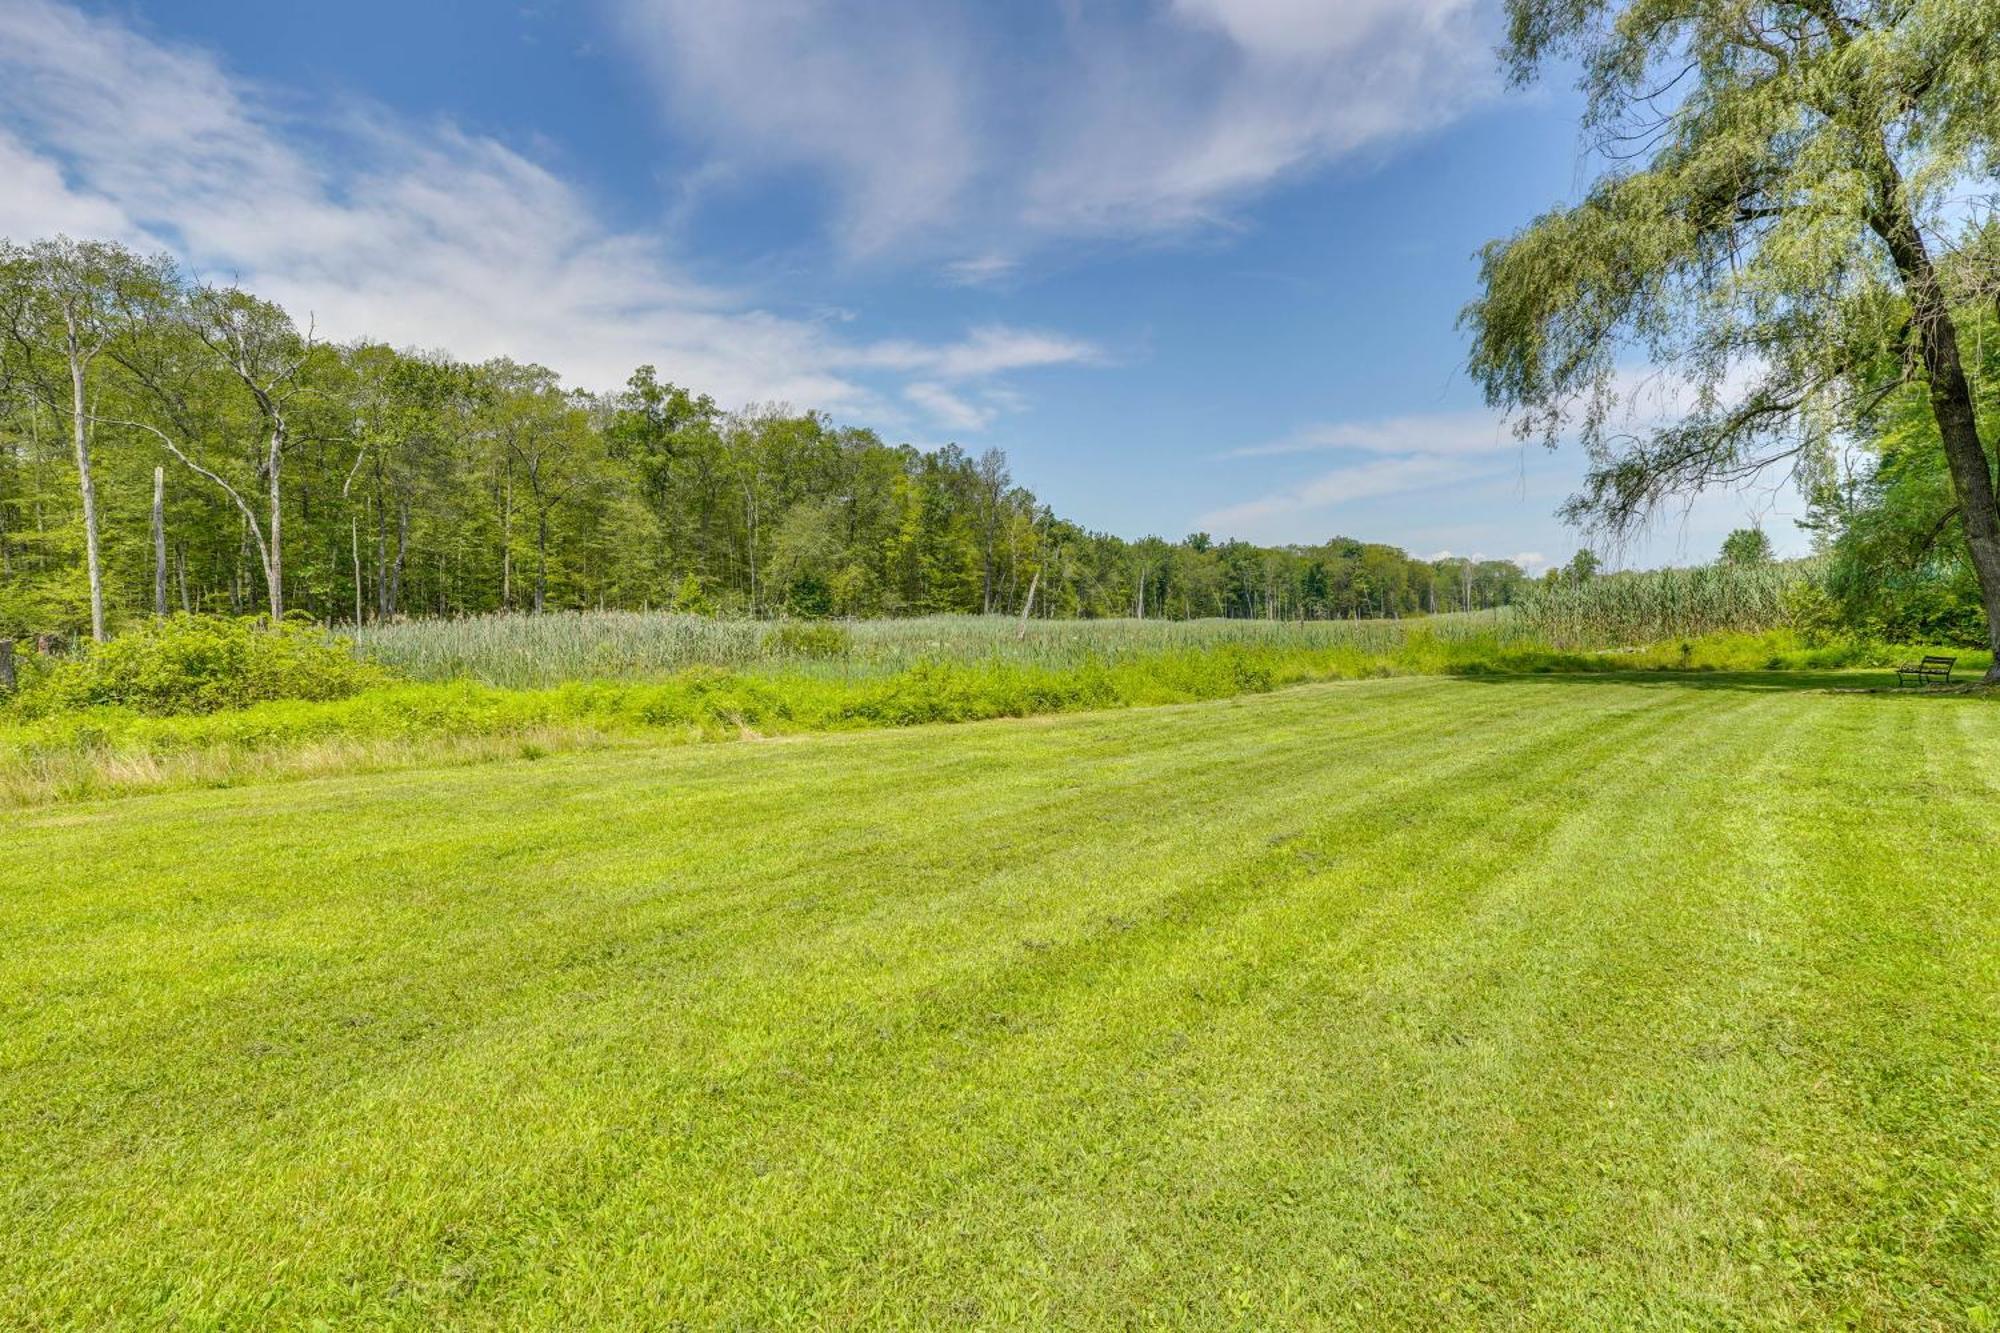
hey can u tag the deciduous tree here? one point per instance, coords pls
(64, 303)
(1790, 185)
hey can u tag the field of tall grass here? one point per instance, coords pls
(1610, 611)
(1656, 605)
(528, 651)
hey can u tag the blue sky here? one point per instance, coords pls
(1194, 264)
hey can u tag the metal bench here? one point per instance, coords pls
(1930, 669)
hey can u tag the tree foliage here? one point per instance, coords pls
(1793, 220)
(1891, 523)
(363, 482)
(1746, 547)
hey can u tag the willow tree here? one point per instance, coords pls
(1785, 227)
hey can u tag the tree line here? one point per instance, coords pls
(168, 445)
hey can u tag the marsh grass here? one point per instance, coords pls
(1652, 606)
(525, 651)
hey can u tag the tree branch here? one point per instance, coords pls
(250, 515)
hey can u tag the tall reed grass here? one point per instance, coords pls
(527, 651)
(1654, 606)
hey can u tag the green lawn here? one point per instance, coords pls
(1590, 1001)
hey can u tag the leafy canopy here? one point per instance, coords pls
(1760, 158)
(1747, 546)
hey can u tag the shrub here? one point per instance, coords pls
(1813, 611)
(1935, 603)
(202, 664)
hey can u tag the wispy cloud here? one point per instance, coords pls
(988, 350)
(980, 270)
(1173, 124)
(925, 122)
(1330, 490)
(1454, 433)
(38, 200)
(415, 234)
(1381, 457)
(874, 94)
(1527, 560)
(949, 408)
(1444, 462)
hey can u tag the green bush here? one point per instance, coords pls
(201, 664)
(1815, 613)
(1935, 604)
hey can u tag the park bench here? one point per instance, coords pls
(1931, 668)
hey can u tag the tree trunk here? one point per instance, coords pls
(383, 610)
(160, 542)
(507, 546)
(541, 561)
(402, 552)
(354, 531)
(274, 554)
(79, 419)
(1951, 405)
(1028, 607)
(750, 515)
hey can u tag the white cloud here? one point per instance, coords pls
(1432, 433)
(1446, 467)
(1387, 456)
(1527, 560)
(1171, 129)
(949, 408)
(980, 270)
(38, 200)
(418, 235)
(1330, 490)
(1300, 29)
(1121, 121)
(873, 93)
(988, 350)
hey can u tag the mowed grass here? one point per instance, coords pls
(1532, 1002)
